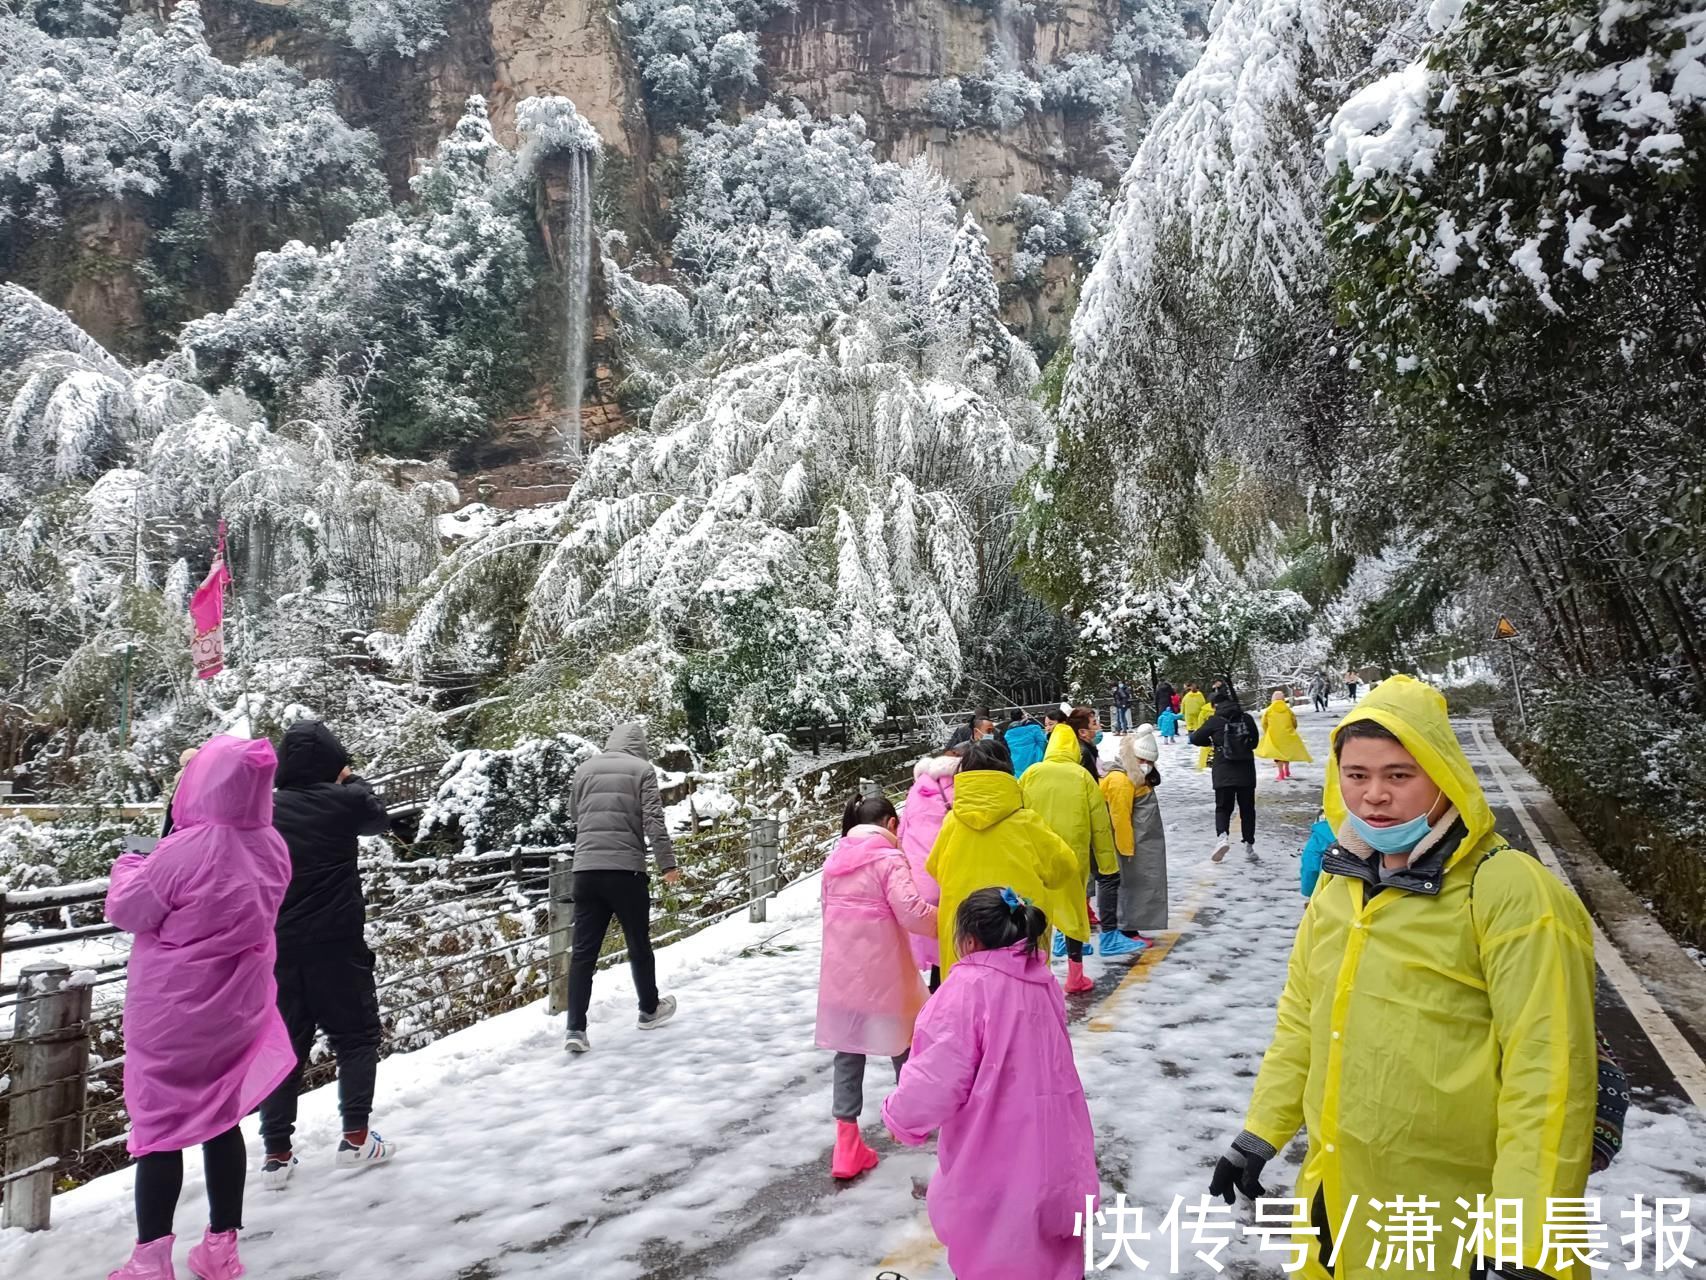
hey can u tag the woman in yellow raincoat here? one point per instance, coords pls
(1281, 742)
(1436, 1032)
(1065, 795)
(990, 840)
(1193, 707)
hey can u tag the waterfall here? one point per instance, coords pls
(577, 286)
(1006, 37)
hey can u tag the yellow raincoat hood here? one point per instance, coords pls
(1437, 1042)
(1416, 713)
(988, 840)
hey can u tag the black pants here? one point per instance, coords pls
(160, 1179)
(599, 895)
(333, 993)
(1245, 799)
(1108, 901)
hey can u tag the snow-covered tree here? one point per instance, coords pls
(966, 303)
(692, 57)
(915, 235)
(429, 305)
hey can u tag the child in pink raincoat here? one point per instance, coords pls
(927, 806)
(869, 992)
(992, 1068)
(204, 1043)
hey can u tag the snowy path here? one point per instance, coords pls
(701, 1150)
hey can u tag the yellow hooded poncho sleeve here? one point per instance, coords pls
(988, 840)
(1435, 1044)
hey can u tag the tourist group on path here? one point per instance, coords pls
(1435, 1035)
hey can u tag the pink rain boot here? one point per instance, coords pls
(852, 1157)
(1075, 979)
(151, 1261)
(215, 1258)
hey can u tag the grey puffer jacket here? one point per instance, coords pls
(616, 807)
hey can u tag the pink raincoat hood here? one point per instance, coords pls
(204, 1043)
(859, 848)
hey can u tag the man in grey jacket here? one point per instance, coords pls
(616, 808)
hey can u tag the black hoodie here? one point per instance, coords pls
(320, 819)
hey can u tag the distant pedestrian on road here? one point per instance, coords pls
(1281, 742)
(1164, 698)
(1231, 735)
(618, 813)
(203, 1040)
(1122, 707)
(1318, 690)
(990, 838)
(868, 990)
(325, 970)
(1353, 679)
(1026, 740)
(1435, 1037)
(992, 1069)
(1168, 723)
(1136, 899)
(1066, 797)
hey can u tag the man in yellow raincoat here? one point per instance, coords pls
(1436, 1032)
(1065, 795)
(989, 840)
(1281, 742)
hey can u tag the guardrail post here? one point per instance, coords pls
(561, 921)
(763, 854)
(50, 1044)
(868, 789)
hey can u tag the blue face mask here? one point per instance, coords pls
(1097, 740)
(1401, 838)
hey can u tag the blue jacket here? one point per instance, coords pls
(1168, 723)
(1026, 743)
(1320, 840)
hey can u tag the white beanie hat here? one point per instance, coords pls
(1145, 743)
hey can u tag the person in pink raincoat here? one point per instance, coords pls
(203, 1040)
(868, 992)
(991, 1067)
(927, 806)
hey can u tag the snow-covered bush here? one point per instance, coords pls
(1046, 230)
(153, 114)
(429, 306)
(692, 57)
(377, 28)
(501, 799)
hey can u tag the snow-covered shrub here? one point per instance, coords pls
(915, 236)
(945, 102)
(1045, 230)
(694, 56)
(377, 28)
(501, 799)
(428, 306)
(153, 114)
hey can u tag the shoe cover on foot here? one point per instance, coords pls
(151, 1261)
(851, 1157)
(215, 1258)
(1117, 944)
(1076, 980)
(1059, 947)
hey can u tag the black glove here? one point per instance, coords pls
(1240, 1170)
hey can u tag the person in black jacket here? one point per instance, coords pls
(324, 969)
(1232, 733)
(1163, 698)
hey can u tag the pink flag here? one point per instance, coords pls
(207, 611)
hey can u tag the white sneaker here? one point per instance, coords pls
(374, 1151)
(1220, 848)
(275, 1174)
(658, 1016)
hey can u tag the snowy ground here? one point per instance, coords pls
(701, 1150)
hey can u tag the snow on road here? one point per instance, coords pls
(702, 1149)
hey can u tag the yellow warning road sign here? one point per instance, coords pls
(1506, 630)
